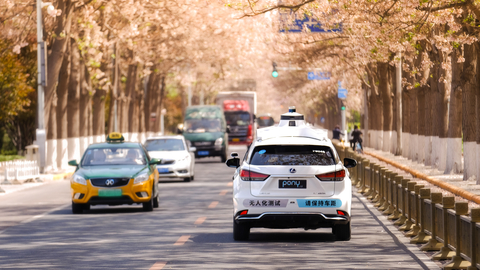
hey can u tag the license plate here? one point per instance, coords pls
(235, 140)
(203, 153)
(109, 193)
(292, 183)
(162, 170)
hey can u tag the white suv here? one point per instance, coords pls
(291, 177)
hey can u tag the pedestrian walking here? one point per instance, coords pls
(336, 133)
(357, 138)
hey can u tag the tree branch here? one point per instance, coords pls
(258, 12)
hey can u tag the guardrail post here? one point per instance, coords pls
(421, 237)
(363, 184)
(390, 203)
(433, 244)
(404, 196)
(457, 262)
(416, 227)
(475, 218)
(379, 191)
(408, 223)
(396, 187)
(373, 174)
(445, 252)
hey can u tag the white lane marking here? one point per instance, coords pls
(39, 216)
(182, 240)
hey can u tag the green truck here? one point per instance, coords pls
(206, 129)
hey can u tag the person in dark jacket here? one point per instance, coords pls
(357, 137)
(336, 133)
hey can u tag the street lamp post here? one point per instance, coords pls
(42, 82)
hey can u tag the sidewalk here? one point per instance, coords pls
(44, 178)
(419, 172)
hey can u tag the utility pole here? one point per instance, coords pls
(115, 88)
(41, 83)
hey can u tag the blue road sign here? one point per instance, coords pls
(319, 75)
(292, 22)
(322, 120)
(342, 93)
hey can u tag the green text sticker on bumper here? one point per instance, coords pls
(109, 193)
(319, 203)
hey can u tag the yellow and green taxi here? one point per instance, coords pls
(113, 173)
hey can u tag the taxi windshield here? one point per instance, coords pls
(113, 156)
(202, 125)
(311, 155)
(165, 145)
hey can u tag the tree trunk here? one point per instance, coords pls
(385, 88)
(73, 108)
(469, 119)
(132, 96)
(454, 162)
(99, 113)
(62, 119)
(113, 109)
(85, 105)
(54, 63)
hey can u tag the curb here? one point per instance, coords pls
(444, 185)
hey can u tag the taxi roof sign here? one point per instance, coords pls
(115, 137)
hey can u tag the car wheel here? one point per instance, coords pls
(342, 232)
(77, 208)
(187, 179)
(148, 206)
(86, 207)
(223, 156)
(156, 201)
(240, 232)
(192, 178)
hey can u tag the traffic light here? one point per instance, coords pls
(342, 106)
(274, 72)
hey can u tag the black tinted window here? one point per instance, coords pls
(292, 155)
(237, 118)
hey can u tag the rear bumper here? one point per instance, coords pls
(283, 220)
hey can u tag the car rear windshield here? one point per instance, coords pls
(308, 155)
(165, 145)
(113, 156)
(265, 121)
(237, 118)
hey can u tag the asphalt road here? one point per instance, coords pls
(192, 229)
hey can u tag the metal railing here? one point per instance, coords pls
(438, 222)
(18, 171)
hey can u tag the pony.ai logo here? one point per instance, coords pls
(292, 170)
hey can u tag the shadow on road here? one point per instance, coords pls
(261, 237)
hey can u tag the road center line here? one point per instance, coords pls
(213, 204)
(182, 240)
(223, 192)
(200, 220)
(230, 184)
(158, 266)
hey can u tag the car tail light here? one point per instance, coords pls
(341, 213)
(244, 212)
(333, 176)
(247, 175)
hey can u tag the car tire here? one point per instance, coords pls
(223, 155)
(187, 179)
(86, 207)
(240, 232)
(148, 206)
(342, 232)
(192, 178)
(156, 202)
(77, 208)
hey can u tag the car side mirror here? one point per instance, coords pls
(154, 161)
(349, 163)
(73, 162)
(234, 162)
(228, 129)
(192, 149)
